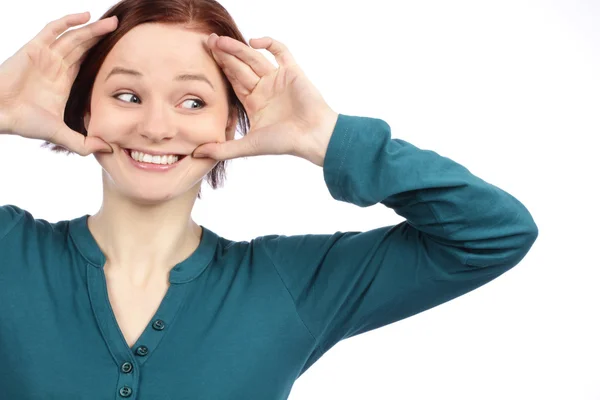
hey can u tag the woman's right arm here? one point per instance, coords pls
(3, 122)
(42, 71)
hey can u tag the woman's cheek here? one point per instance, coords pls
(109, 128)
(205, 131)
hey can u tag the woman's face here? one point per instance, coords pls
(153, 110)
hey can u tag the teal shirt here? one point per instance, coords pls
(243, 320)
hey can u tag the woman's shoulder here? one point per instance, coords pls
(15, 220)
(10, 216)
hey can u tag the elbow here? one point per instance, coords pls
(529, 239)
(515, 255)
(513, 250)
(527, 235)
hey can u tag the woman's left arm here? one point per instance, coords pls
(460, 233)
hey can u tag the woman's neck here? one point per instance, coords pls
(142, 244)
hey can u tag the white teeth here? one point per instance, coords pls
(147, 158)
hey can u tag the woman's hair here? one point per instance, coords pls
(205, 16)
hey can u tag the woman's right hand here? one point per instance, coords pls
(36, 81)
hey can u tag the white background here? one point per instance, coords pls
(510, 89)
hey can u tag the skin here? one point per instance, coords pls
(151, 211)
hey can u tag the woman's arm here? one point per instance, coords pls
(460, 233)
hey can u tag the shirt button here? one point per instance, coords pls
(126, 367)
(141, 351)
(125, 391)
(158, 325)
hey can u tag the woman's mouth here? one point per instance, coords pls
(153, 163)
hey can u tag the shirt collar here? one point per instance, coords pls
(184, 272)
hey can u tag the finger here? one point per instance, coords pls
(72, 41)
(73, 71)
(228, 150)
(80, 144)
(48, 35)
(282, 55)
(242, 77)
(75, 56)
(254, 59)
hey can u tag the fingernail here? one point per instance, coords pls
(199, 155)
(109, 151)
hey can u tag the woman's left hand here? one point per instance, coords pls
(287, 113)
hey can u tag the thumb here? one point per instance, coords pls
(80, 144)
(97, 145)
(228, 150)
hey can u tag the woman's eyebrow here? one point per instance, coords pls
(182, 77)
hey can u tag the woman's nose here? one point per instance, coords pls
(157, 125)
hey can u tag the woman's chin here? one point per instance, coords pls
(151, 197)
(153, 194)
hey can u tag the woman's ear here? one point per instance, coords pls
(86, 120)
(230, 130)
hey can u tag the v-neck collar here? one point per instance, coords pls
(184, 272)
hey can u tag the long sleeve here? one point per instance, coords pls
(10, 215)
(460, 233)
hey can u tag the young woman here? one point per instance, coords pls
(138, 300)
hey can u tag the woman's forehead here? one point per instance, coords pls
(160, 46)
(162, 39)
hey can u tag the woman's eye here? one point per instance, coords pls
(126, 94)
(198, 101)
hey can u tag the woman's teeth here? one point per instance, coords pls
(147, 158)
